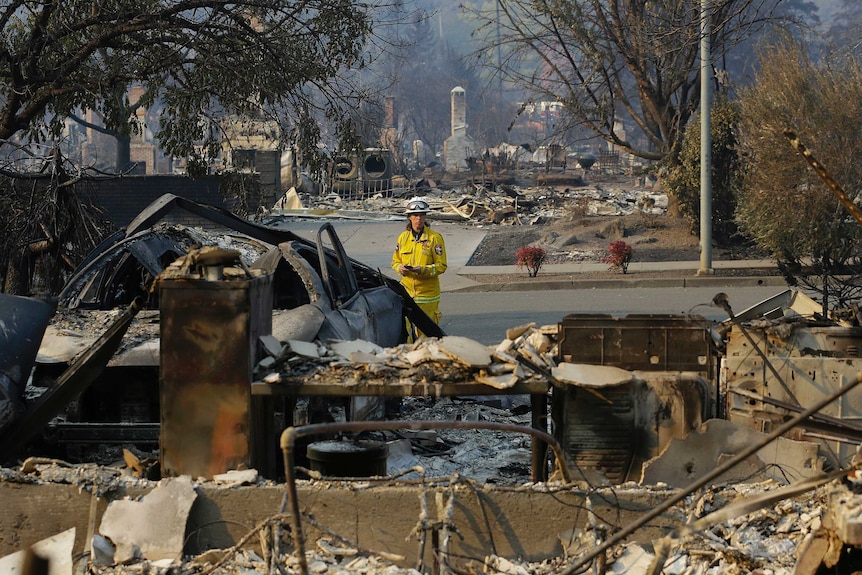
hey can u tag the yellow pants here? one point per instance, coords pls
(432, 310)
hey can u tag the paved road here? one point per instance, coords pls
(486, 316)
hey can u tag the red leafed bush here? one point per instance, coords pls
(532, 258)
(619, 256)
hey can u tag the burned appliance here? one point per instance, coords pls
(617, 426)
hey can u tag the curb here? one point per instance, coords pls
(574, 284)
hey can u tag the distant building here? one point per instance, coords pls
(251, 146)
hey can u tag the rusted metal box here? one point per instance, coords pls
(639, 342)
(209, 335)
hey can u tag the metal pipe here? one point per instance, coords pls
(834, 422)
(288, 437)
(341, 426)
(717, 471)
(291, 434)
(827, 178)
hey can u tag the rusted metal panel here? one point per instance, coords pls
(638, 342)
(209, 334)
(614, 433)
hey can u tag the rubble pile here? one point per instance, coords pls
(758, 539)
(769, 540)
(488, 457)
(527, 352)
(537, 209)
(74, 330)
(502, 204)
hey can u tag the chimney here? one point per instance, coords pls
(389, 111)
(459, 111)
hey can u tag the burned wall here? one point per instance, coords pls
(124, 198)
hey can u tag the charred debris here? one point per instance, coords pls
(272, 417)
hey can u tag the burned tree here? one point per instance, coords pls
(205, 66)
(627, 71)
(48, 226)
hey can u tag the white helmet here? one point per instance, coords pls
(417, 205)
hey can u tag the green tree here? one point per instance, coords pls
(210, 67)
(784, 206)
(683, 180)
(205, 61)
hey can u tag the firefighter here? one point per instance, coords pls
(420, 258)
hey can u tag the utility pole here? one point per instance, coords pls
(705, 144)
(499, 56)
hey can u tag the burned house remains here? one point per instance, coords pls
(255, 363)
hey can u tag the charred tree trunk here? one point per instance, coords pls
(48, 220)
(124, 153)
(17, 282)
(22, 266)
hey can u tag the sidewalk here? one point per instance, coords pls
(371, 242)
(675, 274)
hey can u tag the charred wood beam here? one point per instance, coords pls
(818, 168)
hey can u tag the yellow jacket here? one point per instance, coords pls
(427, 254)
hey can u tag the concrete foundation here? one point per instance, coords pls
(523, 523)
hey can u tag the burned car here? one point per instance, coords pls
(306, 273)
(318, 292)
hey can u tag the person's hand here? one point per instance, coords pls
(404, 270)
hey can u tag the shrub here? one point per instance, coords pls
(682, 181)
(619, 256)
(531, 257)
